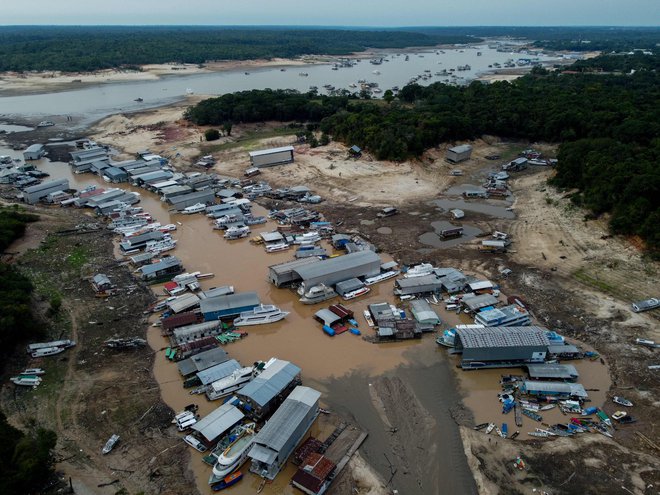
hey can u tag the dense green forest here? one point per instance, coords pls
(619, 63)
(26, 459)
(75, 48)
(594, 112)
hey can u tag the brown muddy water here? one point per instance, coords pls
(338, 366)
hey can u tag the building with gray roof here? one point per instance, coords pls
(500, 347)
(285, 273)
(426, 284)
(423, 312)
(33, 194)
(211, 427)
(190, 199)
(475, 303)
(271, 157)
(162, 270)
(552, 371)
(555, 389)
(218, 372)
(34, 152)
(459, 154)
(263, 394)
(215, 308)
(276, 440)
(140, 241)
(190, 333)
(333, 270)
(183, 302)
(202, 361)
(453, 280)
(115, 175)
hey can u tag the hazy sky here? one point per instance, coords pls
(334, 12)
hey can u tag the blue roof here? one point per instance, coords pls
(270, 382)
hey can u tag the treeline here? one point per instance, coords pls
(26, 461)
(77, 48)
(554, 107)
(619, 62)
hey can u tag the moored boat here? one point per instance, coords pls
(225, 386)
(33, 371)
(236, 233)
(228, 481)
(490, 427)
(47, 351)
(233, 456)
(262, 314)
(356, 293)
(419, 270)
(316, 294)
(481, 426)
(276, 246)
(380, 277)
(196, 208)
(368, 318)
(26, 380)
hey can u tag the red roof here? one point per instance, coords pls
(341, 311)
(180, 320)
(314, 472)
(308, 446)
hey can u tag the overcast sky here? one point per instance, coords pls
(334, 12)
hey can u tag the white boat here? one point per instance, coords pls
(419, 270)
(356, 293)
(277, 246)
(47, 351)
(448, 338)
(167, 228)
(307, 238)
(237, 232)
(264, 313)
(185, 420)
(33, 371)
(160, 246)
(491, 427)
(225, 386)
(45, 123)
(621, 401)
(380, 277)
(26, 380)
(233, 457)
(110, 444)
(368, 318)
(194, 443)
(316, 294)
(197, 208)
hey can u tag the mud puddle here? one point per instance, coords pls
(478, 207)
(433, 239)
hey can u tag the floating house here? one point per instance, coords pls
(427, 284)
(508, 316)
(218, 372)
(101, 283)
(34, 152)
(114, 175)
(548, 371)
(271, 157)
(185, 200)
(202, 361)
(501, 347)
(33, 194)
(183, 302)
(190, 333)
(314, 475)
(139, 242)
(162, 270)
(459, 154)
(453, 280)
(476, 303)
(423, 312)
(276, 440)
(179, 320)
(263, 394)
(554, 389)
(213, 426)
(333, 270)
(215, 308)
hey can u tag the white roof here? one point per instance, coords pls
(271, 151)
(482, 284)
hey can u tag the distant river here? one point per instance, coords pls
(90, 104)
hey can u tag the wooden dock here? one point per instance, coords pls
(347, 457)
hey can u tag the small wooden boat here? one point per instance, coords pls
(110, 444)
(532, 414)
(228, 481)
(490, 428)
(547, 407)
(515, 434)
(504, 432)
(139, 100)
(481, 426)
(33, 371)
(367, 317)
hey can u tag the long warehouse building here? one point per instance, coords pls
(333, 270)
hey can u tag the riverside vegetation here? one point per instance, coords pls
(607, 124)
(26, 459)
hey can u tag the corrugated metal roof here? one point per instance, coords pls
(181, 332)
(202, 361)
(168, 262)
(183, 302)
(218, 371)
(270, 151)
(348, 285)
(418, 281)
(423, 312)
(481, 284)
(326, 316)
(291, 265)
(270, 382)
(229, 302)
(574, 389)
(565, 371)
(478, 302)
(333, 265)
(562, 348)
(277, 431)
(502, 337)
(461, 148)
(216, 423)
